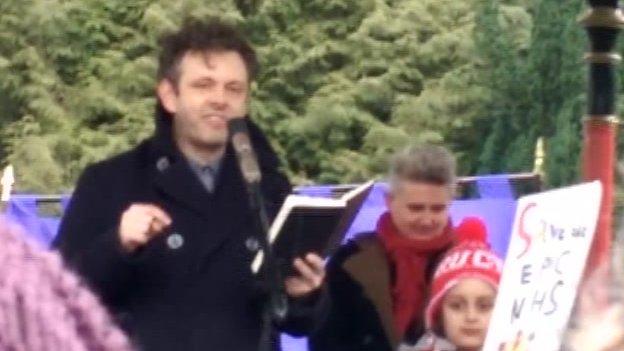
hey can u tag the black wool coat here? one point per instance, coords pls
(191, 287)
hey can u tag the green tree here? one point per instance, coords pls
(536, 91)
(342, 92)
(343, 82)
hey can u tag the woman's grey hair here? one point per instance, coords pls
(425, 163)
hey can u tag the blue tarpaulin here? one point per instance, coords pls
(24, 210)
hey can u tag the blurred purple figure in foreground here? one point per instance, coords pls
(45, 307)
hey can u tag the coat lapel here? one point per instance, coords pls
(370, 269)
(178, 182)
(230, 195)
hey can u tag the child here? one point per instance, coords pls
(462, 293)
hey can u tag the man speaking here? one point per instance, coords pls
(164, 232)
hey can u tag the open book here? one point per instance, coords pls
(312, 224)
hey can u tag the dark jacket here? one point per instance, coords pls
(359, 318)
(197, 293)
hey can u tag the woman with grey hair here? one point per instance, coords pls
(377, 282)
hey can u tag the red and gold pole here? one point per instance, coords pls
(602, 22)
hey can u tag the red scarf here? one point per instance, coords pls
(410, 258)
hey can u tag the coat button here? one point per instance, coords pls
(175, 241)
(162, 164)
(252, 244)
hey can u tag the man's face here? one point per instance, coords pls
(466, 310)
(419, 210)
(212, 88)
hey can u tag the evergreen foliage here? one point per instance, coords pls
(343, 83)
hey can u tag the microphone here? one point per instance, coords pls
(247, 160)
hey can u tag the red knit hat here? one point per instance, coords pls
(471, 257)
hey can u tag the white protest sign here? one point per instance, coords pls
(550, 242)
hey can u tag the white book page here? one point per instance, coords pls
(357, 190)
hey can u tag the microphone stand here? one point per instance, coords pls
(275, 307)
